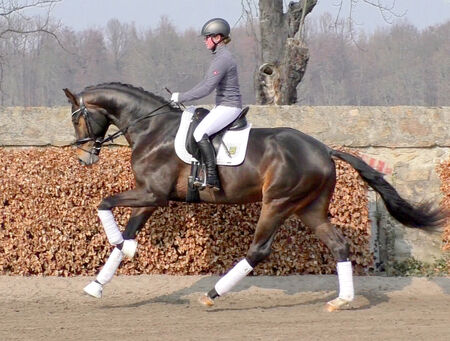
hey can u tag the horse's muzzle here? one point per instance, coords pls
(87, 159)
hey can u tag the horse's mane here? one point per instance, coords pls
(129, 87)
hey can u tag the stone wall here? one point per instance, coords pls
(407, 143)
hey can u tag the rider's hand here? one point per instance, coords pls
(174, 97)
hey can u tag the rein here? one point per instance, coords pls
(98, 142)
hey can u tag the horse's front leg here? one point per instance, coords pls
(139, 217)
(124, 244)
(146, 201)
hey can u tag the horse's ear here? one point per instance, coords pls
(72, 98)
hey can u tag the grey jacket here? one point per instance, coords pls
(222, 75)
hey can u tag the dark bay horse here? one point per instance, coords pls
(288, 171)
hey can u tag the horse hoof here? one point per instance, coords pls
(206, 301)
(129, 247)
(94, 289)
(337, 304)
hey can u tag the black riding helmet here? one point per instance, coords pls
(216, 26)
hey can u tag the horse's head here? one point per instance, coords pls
(90, 123)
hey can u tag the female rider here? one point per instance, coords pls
(222, 75)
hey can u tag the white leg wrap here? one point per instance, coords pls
(129, 247)
(107, 272)
(111, 229)
(344, 270)
(238, 272)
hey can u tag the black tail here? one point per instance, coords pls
(421, 216)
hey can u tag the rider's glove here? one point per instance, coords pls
(174, 97)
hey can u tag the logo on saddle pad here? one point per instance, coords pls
(230, 147)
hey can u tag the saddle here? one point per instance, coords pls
(191, 146)
(216, 139)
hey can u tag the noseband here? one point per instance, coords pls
(99, 141)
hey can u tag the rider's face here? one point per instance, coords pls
(209, 42)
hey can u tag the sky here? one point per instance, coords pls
(184, 14)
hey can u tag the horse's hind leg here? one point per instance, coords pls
(270, 219)
(139, 217)
(315, 216)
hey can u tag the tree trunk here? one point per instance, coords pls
(283, 52)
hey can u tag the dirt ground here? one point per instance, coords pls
(261, 308)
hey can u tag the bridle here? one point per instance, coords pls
(99, 141)
(83, 111)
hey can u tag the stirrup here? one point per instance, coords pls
(213, 181)
(214, 185)
(199, 183)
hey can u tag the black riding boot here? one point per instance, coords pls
(209, 157)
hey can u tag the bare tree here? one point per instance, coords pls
(16, 20)
(15, 17)
(346, 10)
(284, 54)
(118, 41)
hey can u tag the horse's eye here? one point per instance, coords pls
(76, 119)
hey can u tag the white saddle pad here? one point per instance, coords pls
(231, 155)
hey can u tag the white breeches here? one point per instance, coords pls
(218, 118)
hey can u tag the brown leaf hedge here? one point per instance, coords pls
(49, 223)
(444, 172)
